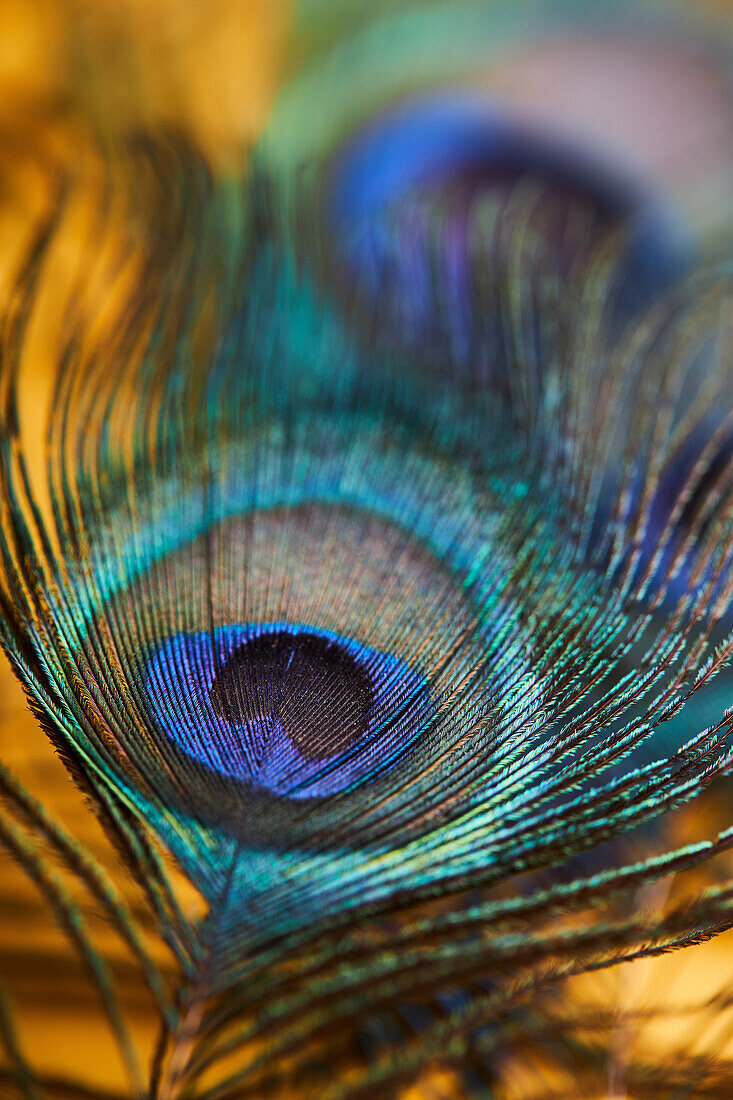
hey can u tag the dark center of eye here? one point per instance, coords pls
(318, 692)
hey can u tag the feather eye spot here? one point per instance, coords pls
(292, 710)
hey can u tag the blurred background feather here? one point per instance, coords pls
(631, 98)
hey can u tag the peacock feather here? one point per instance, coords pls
(371, 574)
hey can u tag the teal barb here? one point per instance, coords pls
(356, 636)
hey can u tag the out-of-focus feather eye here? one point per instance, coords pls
(469, 145)
(297, 711)
(617, 115)
(644, 87)
(410, 194)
